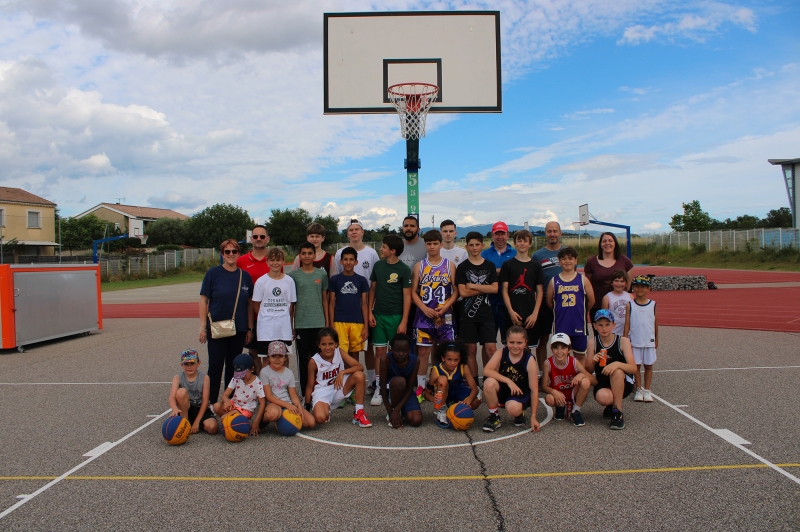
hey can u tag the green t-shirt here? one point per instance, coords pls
(310, 287)
(390, 279)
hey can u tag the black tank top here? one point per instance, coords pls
(517, 373)
(614, 354)
(324, 263)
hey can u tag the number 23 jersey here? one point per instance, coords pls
(569, 306)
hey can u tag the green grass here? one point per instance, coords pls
(191, 277)
(785, 259)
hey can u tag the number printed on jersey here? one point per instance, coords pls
(567, 300)
(428, 294)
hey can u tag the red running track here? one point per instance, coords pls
(763, 309)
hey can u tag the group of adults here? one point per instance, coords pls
(234, 279)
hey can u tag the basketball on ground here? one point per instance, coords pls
(176, 430)
(235, 426)
(460, 416)
(289, 423)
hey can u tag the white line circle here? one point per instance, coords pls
(430, 447)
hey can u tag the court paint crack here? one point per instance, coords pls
(487, 486)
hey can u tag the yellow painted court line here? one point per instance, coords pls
(402, 479)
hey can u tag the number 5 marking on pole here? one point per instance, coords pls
(412, 181)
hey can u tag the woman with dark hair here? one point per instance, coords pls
(218, 301)
(599, 269)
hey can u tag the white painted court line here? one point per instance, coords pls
(725, 435)
(547, 419)
(77, 383)
(722, 369)
(95, 453)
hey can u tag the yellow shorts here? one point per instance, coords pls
(349, 336)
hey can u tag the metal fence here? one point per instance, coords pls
(731, 239)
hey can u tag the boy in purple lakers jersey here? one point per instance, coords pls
(434, 292)
(570, 295)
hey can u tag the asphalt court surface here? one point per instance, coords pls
(664, 471)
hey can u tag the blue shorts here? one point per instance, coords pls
(504, 395)
(411, 404)
(579, 343)
(456, 394)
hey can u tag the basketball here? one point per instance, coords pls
(235, 426)
(460, 416)
(289, 424)
(176, 430)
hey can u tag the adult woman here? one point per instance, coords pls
(600, 268)
(218, 298)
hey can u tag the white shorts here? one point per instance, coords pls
(644, 355)
(328, 395)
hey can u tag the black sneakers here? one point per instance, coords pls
(607, 412)
(577, 418)
(492, 422)
(617, 421)
(560, 413)
(519, 421)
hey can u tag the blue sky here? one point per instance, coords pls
(632, 107)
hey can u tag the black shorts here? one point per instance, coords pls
(544, 323)
(473, 332)
(504, 394)
(194, 410)
(263, 347)
(625, 392)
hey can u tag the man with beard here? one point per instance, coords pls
(547, 257)
(413, 252)
(255, 263)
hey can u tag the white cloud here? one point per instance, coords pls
(585, 115)
(176, 201)
(694, 26)
(653, 226)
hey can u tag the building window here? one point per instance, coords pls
(34, 220)
(2, 217)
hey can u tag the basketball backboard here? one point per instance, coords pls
(366, 53)
(135, 227)
(583, 214)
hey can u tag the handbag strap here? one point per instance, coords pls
(239, 291)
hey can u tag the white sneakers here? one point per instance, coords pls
(643, 395)
(648, 397)
(377, 398)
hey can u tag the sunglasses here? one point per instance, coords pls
(231, 252)
(258, 237)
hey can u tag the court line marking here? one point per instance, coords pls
(79, 466)
(500, 476)
(722, 369)
(76, 383)
(737, 445)
(546, 420)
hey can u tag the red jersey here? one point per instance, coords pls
(256, 268)
(561, 378)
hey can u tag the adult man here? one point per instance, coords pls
(450, 251)
(498, 252)
(255, 263)
(367, 258)
(547, 257)
(413, 251)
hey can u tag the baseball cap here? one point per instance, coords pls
(277, 348)
(641, 279)
(499, 226)
(604, 314)
(241, 364)
(190, 355)
(354, 221)
(560, 338)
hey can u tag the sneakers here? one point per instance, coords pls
(560, 414)
(639, 395)
(371, 388)
(420, 397)
(441, 419)
(519, 421)
(360, 418)
(377, 398)
(617, 421)
(577, 418)
(648, 396)
(492, 422)
(607, 412)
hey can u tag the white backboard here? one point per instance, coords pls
(365, 53)
(135, 227)
(583, 214)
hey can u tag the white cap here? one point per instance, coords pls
(560, 338)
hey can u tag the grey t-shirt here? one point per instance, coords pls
(548, 260)
(413, 253)
(279, 383)
(194, 389)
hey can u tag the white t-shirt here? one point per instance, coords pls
(279, 383)
(367, 258)
(246, 395)
(274, 296)
(618, 306)
(456, 255)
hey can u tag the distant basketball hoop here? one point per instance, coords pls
(142, 238)
(412, 102)
(576, 226)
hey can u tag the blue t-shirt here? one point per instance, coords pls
(548, 260)
(219, 286)
(491, 254)
(348, 290)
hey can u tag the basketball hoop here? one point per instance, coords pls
(412, 102)
(577, 226)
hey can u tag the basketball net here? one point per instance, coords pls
(412, 102)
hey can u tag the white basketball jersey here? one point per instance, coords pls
(618, 305)
(643, 324)
(327, 371)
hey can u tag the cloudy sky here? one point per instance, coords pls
(632, 106)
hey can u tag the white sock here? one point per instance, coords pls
(377, 382)
(492, 410)
(370, 376)
(421, 380)
(576, 408)
(359, 407)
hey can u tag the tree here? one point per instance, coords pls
(288, 226)
(213, 225)
(78, 233)
(167, 231)
(692, 219)
(331, 225)
(778, 218)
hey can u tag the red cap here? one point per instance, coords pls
(500, 226)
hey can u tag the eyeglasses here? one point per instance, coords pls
(258, 237)
(231, 251)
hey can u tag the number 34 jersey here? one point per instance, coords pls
(435, 288)
(569, 306)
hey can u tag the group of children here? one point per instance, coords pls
(372, 299)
